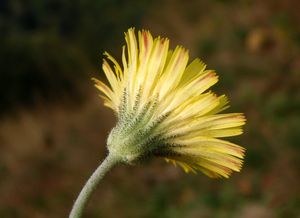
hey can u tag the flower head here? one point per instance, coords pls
(163, 108)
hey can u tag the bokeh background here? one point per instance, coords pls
(53, 126)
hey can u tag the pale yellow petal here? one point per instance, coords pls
(110, 75)
(192, 71)
(117, 67)
(195, 88)
(103, 88)
(155, 66)
(220, 125)
(173, 72)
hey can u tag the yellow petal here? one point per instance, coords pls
(192, 71)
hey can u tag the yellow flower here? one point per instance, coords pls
(163, 108)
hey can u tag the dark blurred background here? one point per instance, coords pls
(53, 126)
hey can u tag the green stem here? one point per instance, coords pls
(91, 185)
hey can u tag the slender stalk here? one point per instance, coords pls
(91, 185)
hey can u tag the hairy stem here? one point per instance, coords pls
(91, 185)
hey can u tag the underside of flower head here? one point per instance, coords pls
(164, 108)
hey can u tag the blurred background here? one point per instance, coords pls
(53, 126)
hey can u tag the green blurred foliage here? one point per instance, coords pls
(47, 47)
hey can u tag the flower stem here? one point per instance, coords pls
(91, 185)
